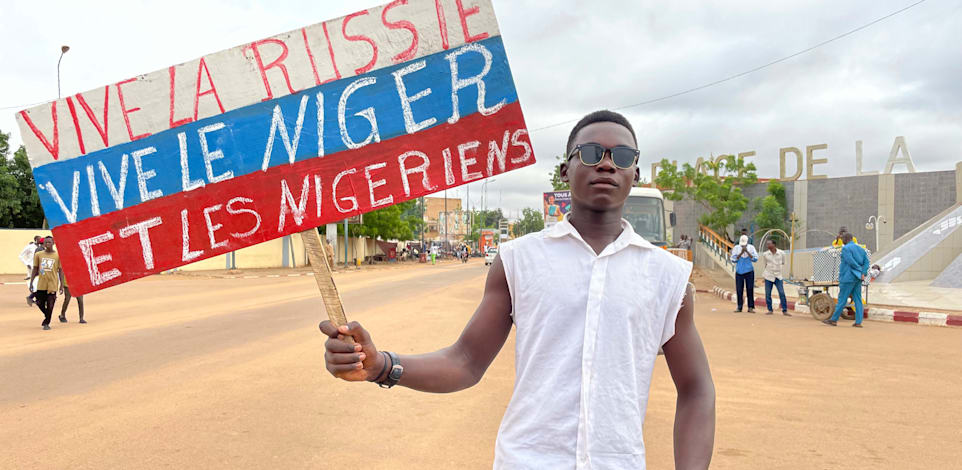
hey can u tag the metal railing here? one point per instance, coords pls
(720, 246)
(681, 253)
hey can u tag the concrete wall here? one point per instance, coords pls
(12, 240)
(270, 254)
(906, 200)
(921, 196)
(752, 192)
(837, 202)
(687, 213)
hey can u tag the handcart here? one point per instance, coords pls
(817, 291)
(820, 300)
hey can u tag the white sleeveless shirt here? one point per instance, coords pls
(588, 330)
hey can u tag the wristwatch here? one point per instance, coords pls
(393, 375)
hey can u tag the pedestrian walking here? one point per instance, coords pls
(26, 254)
(774, 263)
(586, 344)
(66, 302)
(851, 273)
(46, 268)
(434, 254)
(744, 256)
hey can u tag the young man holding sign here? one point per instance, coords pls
(593, 302)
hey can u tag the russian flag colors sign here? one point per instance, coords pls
(274, 137)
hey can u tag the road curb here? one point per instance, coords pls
(873, 313)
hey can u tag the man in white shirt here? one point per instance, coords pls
(774, 263)
(26, 255)
(592, 302)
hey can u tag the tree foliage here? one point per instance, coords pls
(19, 202)
(532, 220)
(398, 222)
(556, 183)
(772, 210)
(484, 219)
(717, 189)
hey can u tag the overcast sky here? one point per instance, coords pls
(899, 77)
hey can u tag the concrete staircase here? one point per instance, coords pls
(712, 252)
(926, 252)
(951, 276)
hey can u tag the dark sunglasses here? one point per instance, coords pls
(591, 154)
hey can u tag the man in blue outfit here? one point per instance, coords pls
(851, 272)
(744, 255)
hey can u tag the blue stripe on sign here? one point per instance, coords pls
(128, 174)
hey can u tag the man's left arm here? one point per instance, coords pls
(694, 434)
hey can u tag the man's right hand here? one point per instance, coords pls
(352, 362)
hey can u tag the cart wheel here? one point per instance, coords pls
(848, 313)
(821, 305)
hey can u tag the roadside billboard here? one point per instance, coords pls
(274, 137)
(556, 205)
(486, 239)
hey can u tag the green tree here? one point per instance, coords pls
(31, 212)
(19, 203)
(556, 183)
(720, 195)
(532, 220)
(9, 189)
(772, 210)
(395, 222)
(484, 219)
(411, 213)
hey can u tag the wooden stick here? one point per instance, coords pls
(324, 278)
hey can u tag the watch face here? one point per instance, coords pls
(396, 372)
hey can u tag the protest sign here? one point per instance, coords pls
(556, 205)
(274, 137)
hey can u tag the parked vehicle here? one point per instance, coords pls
(646, 211)
(490, 254)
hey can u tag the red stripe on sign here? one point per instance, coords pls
(953, 320)
(171, 231)
(910, 317)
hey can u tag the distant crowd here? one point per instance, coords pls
(854, 274)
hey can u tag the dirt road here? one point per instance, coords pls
(227, 373)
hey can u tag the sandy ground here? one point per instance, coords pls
(194, 372)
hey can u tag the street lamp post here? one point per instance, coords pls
(63, 50)
(484, 196)
(873, 222)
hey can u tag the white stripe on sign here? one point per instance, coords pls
(250, 73)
